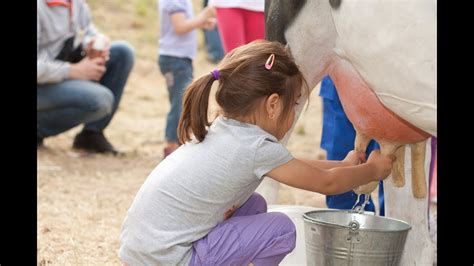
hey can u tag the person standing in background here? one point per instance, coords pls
(213, 43)
(177, 49)
(240, 21)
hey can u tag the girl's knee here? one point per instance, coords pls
(285, 222)
(260, 202)
(287, 229)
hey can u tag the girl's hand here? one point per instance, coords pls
(354, 158)
(207, 18)
(208, 12)
(209, 24)
(382, 163)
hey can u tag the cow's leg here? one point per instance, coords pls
(418, 182)
(400, 204)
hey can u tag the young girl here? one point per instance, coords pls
(198, 206)
(178, 47)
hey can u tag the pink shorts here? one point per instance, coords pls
(239, 26)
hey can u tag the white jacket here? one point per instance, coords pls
(53, 29)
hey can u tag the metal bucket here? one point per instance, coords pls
(336, 237)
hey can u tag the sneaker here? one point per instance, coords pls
(93, 142)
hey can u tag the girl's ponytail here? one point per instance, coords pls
(195, 105)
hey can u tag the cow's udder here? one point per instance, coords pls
(366, 112)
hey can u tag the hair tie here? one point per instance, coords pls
(270, 61)
(215, 74)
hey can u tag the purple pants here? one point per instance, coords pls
(250, 235)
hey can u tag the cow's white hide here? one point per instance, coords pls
(392, 45)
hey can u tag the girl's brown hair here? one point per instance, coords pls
(243, 81)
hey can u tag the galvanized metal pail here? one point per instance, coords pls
(338, 237)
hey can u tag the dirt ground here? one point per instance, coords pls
(82, 199)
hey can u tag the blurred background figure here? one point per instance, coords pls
(212, 41)
(177, 49)
(80, 77)
(240, 21)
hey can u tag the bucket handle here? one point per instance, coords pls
(354, 226)
(353, 236)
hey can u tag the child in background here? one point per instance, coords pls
(198, 206)
(240, 21)
(178, 47)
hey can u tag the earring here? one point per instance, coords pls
(271, 116)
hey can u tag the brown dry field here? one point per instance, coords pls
(82, 199)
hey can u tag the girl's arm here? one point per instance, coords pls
(352, 158)
(299, 174)
(324, 164)
(182, 25)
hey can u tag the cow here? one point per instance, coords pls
(381, 55)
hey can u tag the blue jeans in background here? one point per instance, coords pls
(64, 105)
(213, 43)
(178, 73)
(212, 39)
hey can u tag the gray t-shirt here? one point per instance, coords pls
(171, 43)
(187, 194)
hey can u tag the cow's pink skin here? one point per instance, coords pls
(367, 113)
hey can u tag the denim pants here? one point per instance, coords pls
(178, 73)
(213, 43)
(64, 105)
(212, 40)
(250, 235)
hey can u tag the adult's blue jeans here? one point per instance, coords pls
(338, 139)
(178, 73)
(213, 43)
(64, 105)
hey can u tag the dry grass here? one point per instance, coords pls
(83, 199)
